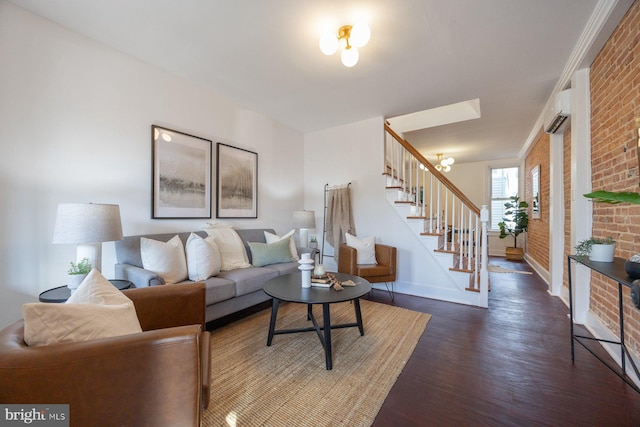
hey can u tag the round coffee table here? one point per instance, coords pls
(289, 288)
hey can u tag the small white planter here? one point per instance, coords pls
(602, 253)
(75, 280)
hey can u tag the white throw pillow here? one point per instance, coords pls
(232, 252)
(166, 259)
(95, 310)
(273, 238)
(203, 257)
(366, 248)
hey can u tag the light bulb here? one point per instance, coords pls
(360, 34)
(450, 161)
(350, 57)
(447, 168)
(328, 43)
(438, 167)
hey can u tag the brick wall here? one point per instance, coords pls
(615, 103)
(538, 234)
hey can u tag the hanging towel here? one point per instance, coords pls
(339, 217)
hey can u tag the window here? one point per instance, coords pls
(504, 184)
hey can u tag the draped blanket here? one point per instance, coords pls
(339, 217)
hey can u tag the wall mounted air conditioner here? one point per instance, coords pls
(556, 117)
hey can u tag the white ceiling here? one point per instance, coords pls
(422, 54)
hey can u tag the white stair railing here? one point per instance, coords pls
(446, 210)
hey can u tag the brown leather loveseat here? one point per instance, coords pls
(159, 377)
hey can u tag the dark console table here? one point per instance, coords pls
(615, 271)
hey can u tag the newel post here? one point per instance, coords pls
(484, 258)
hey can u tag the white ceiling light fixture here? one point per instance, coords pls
(349, 38)
(444, 165)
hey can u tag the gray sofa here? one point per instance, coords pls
(227, 292)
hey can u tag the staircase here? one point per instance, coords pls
(447, 224)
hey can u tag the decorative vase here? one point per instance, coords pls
(602, 252)
(306, 266)
(74, 281)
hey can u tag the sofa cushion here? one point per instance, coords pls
(203, 257)
(273, 238)
(366, 248)
(270, 253)
(232, 252)
(219, 289)
(95, 310)
(166, 259)
(284, 268)
(248, 280)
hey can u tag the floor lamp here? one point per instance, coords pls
(304, 221)
(88, 225)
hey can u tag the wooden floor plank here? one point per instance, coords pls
(509, 365)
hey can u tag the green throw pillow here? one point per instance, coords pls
(270, 253)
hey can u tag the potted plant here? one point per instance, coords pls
(600, 249)
(77, 273)
(313, 242)
(514, 223)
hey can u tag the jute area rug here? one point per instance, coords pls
(287, 384)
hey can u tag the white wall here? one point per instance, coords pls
(473, 179)
(75, 126)
(354, 153)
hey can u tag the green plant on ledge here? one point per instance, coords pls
(584, 247)
(613, 197)
(82, 267)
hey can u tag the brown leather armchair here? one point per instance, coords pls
(382, 272)
(159, 377)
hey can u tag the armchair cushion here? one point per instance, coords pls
(366, 248)
(95, 310)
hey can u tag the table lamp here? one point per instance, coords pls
(88, 225)
(304, 221)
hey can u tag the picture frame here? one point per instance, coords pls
(237, 182)
(181, 175)
(535, 192)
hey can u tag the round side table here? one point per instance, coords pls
(62, 293)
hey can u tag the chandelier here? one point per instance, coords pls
(444, 165)
(349, 38)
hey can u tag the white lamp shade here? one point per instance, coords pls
(304, 219)
(350, 57)
(360, 34)
(87, 223)
(328, 43)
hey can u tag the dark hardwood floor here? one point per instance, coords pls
(509, 365)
